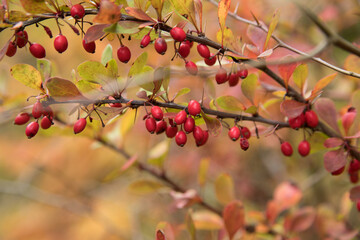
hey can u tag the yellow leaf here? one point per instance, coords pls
(274, 22)
(224, 189)
(203, 169)
(223, 10)
(300, 75)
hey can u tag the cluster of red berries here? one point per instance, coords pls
(241, 132)
(60, 42)
(309, 119)
(155, 123)
(303, 148)
(232, 78)
(38, 111)
(353, 170)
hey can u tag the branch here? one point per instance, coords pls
(287, 46)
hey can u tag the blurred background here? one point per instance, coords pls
(61, 186)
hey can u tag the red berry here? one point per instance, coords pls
(198, 134)
(37, 50)
(45, 122)
(304, 148)
(157, 113)
(21, 39)
(11, 50)
(243, 73)
(160, 46)
(358, 205)
(338, 172)
(234, 133)
(21, 118)
(297, 122)
(31, 129)
(150, 124)
(194, 108)
(184, 49)
(189, 125)
(178, 34)
(37, 110)
(191, 67)
(190, 43)
(286, 149)
(124, 54)
(180, 138)
(77, 11)
(47, 111)
(233, 79)
(221, 76)
(160, 127)
(203, 50)
(204, 139)
(180, 117)
(354, 166)
(171, 131)
(245, 132)
(114, 105)
(244, 144)
(354, 177)
(311, 119)
(210, 61)
(60, 43)
(79, 125)
(89, 47)
(145, 41)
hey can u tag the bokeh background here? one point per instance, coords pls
(54, 185)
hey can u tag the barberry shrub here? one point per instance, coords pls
(220, 130)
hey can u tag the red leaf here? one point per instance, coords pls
(333, 142)
(334, 160)
(292, 108)
(326, 110)
(286, 70)
(301, 220)
(138, 13)
(234, 217)
(257, 36)
(355, 193)
(95, 32)
(272, 211)
(357, 135)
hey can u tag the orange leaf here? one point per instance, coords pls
(223, 10)
(109, 13)
(138, 13)
(322, 83)
(234, 217)
(286, 70)
(287, 195)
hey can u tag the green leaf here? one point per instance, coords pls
(27, 75)
(138, 65)
(251, 110)
(112, 68)
(107, 54)
(143, 79)
(117, 172)
(230, 103)
(185, 7)
(273, 24)
(85, 86)
(316, 141)
(213, 124)
(35, 6)
(92, 71)
(123, 27)
(158, 153)
(248, 87)
(182, 92)
(224, 189)
(17, 16)
(61, 88)
(143, 187)
(44, 67)
(166, 79)
(300, 75)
